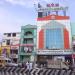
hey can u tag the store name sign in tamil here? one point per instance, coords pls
(53, 7)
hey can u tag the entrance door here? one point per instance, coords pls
(69, 59)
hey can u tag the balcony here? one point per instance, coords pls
(30, 36)
(23, 53)
(13, 55)
(26, 44)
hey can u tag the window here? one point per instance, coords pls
(28, 41)
(54, 39)
(40, 14)
(5, 33)
(45, 14)
(14, 34)
(8, 42)
(9, 35)
(15, 51)
(3, 40)
(28, 33)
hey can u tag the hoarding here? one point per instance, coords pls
(53, 7)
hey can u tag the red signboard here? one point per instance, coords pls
(53, 5)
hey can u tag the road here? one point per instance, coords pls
(37, 71)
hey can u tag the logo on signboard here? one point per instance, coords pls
(52, 17)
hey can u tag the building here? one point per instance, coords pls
(10, 45)
(0, 49)
(27, 43)
(54, 41)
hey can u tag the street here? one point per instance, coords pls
(37, 71)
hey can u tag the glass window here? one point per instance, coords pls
(14, 34)
(54, 39)
(9, 35)
(40, 14)
(5, 33)
(28, 33)
(28, 40)
(3, 40)
(8, 42)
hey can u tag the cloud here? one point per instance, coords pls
(25, 3)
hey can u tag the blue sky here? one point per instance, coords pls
(16, 13)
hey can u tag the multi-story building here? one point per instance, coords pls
(10, 45)
(53, 33)
(27, 43)
(73, 46)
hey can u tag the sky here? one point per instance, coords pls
(17, 13)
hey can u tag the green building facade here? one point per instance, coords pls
(28, 43)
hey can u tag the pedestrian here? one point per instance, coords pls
(27, 64)
(30, 65)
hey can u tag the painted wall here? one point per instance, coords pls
(65, 22)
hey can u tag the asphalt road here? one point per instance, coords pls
(37, 71)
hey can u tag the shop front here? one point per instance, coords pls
(6, 51)
(24, 58)
(14, 53)
(54, 56)
(54, 59)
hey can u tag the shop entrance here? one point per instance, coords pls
(15, 60)
(44, 59)
(68, 59)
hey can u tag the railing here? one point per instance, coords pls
(29, 36)
(23, 53)
(13, 55)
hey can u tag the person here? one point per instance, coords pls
(27, 64)
(30, 65)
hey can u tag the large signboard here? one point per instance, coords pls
(54, 52)
(53, 7)
(5, 50)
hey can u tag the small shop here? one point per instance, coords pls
(50, 59)
(6, 51)
(24, 58)
(14, 53)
